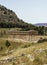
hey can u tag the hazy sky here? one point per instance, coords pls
(32, 11)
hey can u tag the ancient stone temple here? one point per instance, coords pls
(25, 35)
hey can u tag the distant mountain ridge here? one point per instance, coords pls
(41, 24)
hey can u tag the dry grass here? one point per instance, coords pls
(19, 47)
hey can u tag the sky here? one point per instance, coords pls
(31, 11)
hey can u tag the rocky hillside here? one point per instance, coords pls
(8, 19)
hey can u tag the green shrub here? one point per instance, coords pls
(5, 12)
(14, 63)
(1, 48)
(26, 46)
(7, 43)
(42, 40)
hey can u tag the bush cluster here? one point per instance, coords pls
(42, 40)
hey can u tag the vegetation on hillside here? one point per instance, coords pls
(8, 19)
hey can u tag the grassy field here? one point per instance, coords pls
(14, 44)
(26, 53)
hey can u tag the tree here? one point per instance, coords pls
(41, 30)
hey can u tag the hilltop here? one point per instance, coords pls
(9, 19)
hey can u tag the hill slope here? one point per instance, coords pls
(8, 19)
